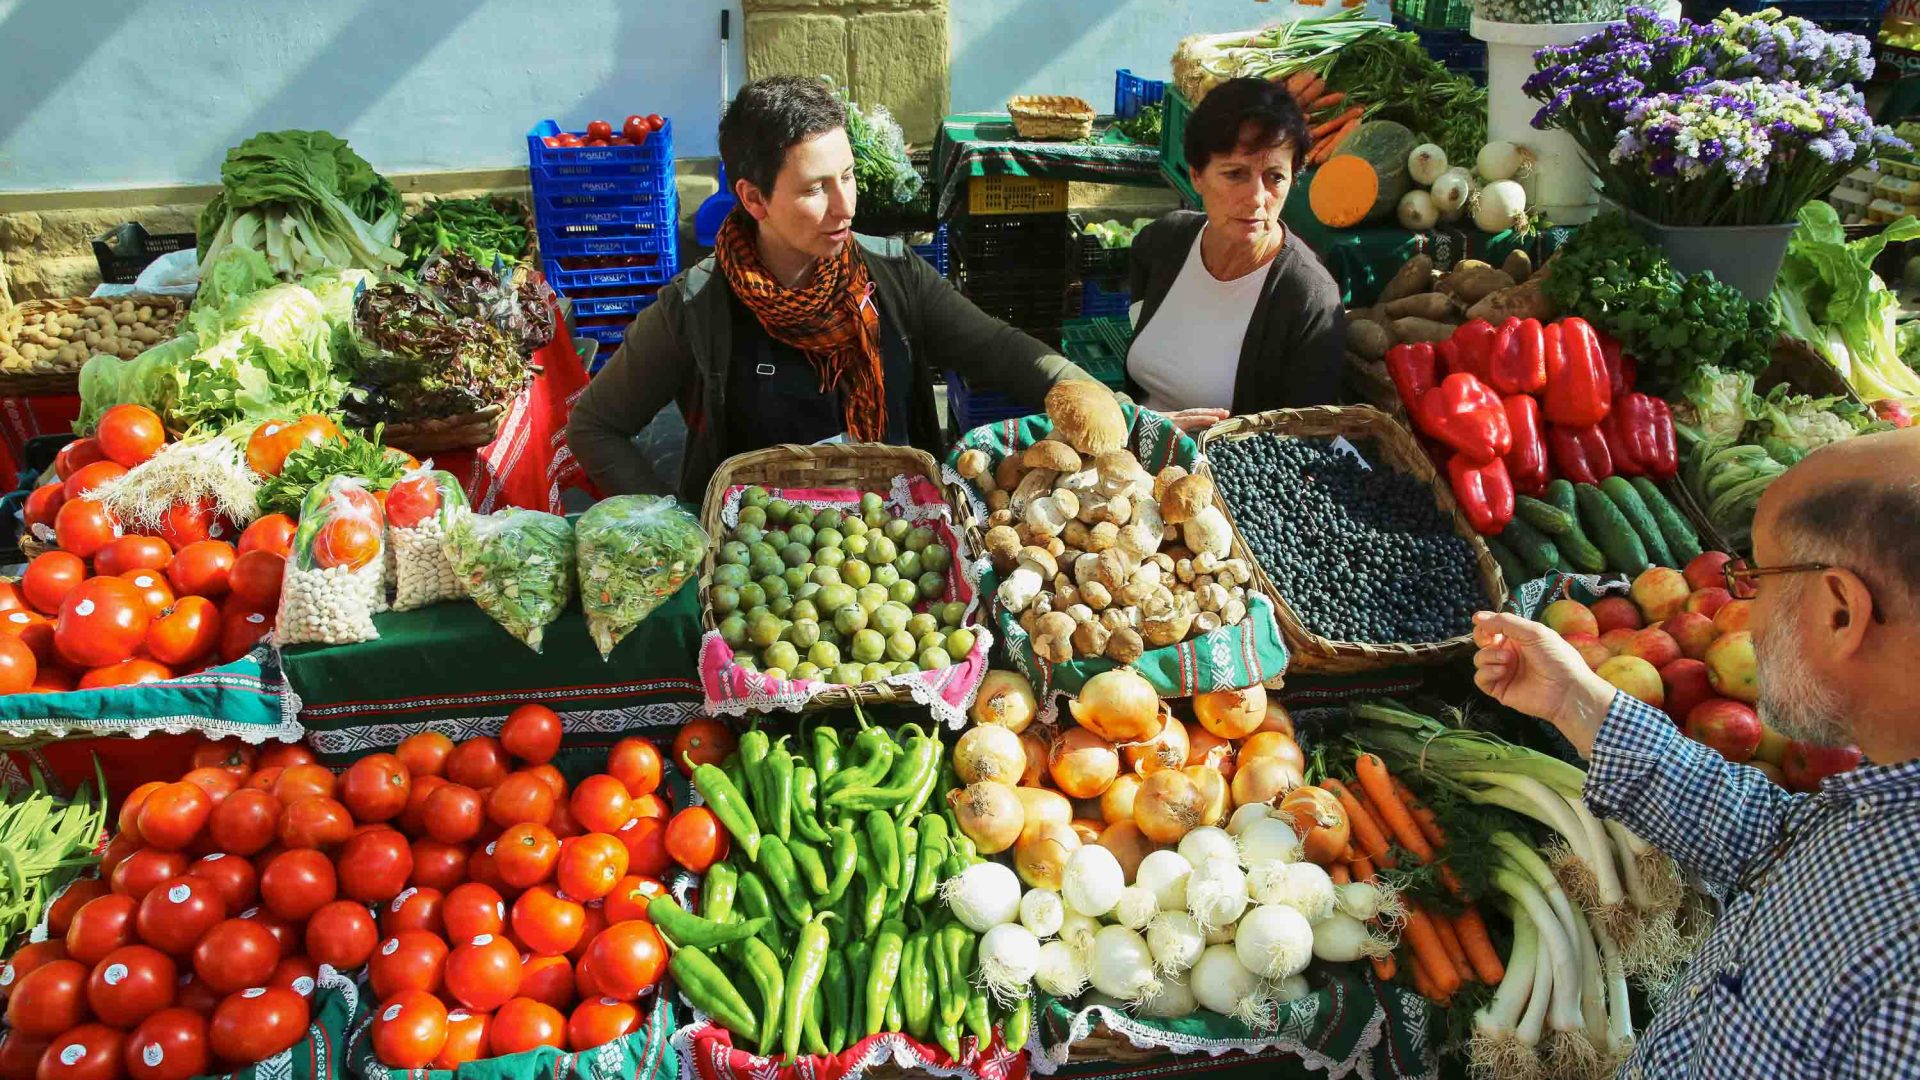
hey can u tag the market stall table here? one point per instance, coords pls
(984, 144)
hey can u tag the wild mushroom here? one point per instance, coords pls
(1076, 534)
(1208, 531)
(1096, 595)
(1086, 415)
(1089, 638)
(1234, 610)
(1124, 645)
(1053, 637)
(1007, 475)
(1206, 622)
(1185, 498)
(1033, 485)
(1046, 516)
(1101, 537)
(1211, 596)
(1003, 547)
(1001, 516)
(1051, 454)
(1122, 474)
(1166, 479)
(974, 465)
(1165, 628)
(1034, 566)
(999, 500)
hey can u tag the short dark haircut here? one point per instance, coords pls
(1246, 113)
(769, 116)
(1854, 524)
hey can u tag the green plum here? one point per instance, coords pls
(832, 556)
(780, 606)
(749, 534)
(806, 670)
(764, 631)
(828, 519)
(782, 655)
(872, 501)
(802, 515)
(806, 591)
(891, 616)
(934, 659)
(855, 546)
(801, 534)
(935, 559)
(903, 592)
(921, 625)
(853, 527)
(776, 539)
(756, 496)
(724, 599)
(733, 631)
(953, 612)
(845, 674)
(828, 538)
(774, 586)
(796, 555)
(868, 646)
(881, 549)
(769, 565)
(856, 573)
(901, 646)
(824, 653)
(931, 585)
(960, 643)
(920, 539)
(732, 575)
(935, 640)
(779, 510)
(872, 596)
(804, 609)
(908, 563)
(824, 576)
(885, 574)
(850, 620)
(732, 553)
(752, 595)
(804, 633)
(875, 672)
(836, 596)
(897, 529)
(753, 515)
(875, 519)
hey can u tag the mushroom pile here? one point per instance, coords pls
(1098, 556)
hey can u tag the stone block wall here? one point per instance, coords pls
(886, 52)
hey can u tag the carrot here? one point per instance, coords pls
(1339, 873)
(1472, 931)
(1298, 81)
(1384, 968)
(1362, 869)
(1378, 785)
(1335, 124)
(1326, 101)
(1315, 87)
(1367, 834)
(1428, 984)
(1423, 935)
(1324, 149)
(1423, 816)
(1456, 953)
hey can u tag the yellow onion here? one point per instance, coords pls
(1167, 750)
(1321, 822)
(1274, 745)
(1277, 719)
(1005, 700)
(1116, 803)
(1082, 763)
(1127, 843)
(1041, 808)
(989, 813)
(1088, 829)
(1168, 806)
(1264, 779)
(1041, 856)
(1206, 748)
(1035, 748)
(989, 753)
(1213, 788)
(1231, 714)
(1119, 705)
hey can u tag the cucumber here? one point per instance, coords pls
(1560, 494)
(1628, 500)
(1574, 543)
(1533, 547)
(1511, 567)
(1615, 537)
(1681, 538)
(1544, 516)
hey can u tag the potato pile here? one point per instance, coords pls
(38, 338)
(1419, 304)
(1099, 557)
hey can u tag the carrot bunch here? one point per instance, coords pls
(1331, 120)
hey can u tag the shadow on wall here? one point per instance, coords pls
(1012, 37)
(49, 25)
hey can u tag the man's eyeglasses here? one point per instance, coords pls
(1742, 577)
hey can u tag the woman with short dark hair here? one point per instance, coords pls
(795, 330)
(1236, 316)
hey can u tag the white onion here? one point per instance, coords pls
(1220, 935)
(1271, 840)
(1244, 816)
(1208, 842)
(1417, 212)
(1452, 190)
(1343, 939)
(1060, 971)
(1121, 966)
(1175, 940)
(1500, 206)
(1223, 984)
(1093, 881)
(1135, 907)
(1217, 893)
(1292, 988)
(1077, 930)
(1501, 160)
(983, 896)
(1426, 163)
(1174, 1000)
(1274, 942)
(1165, 873)
(1302, 886)
(1008, 960)
(1042, 912)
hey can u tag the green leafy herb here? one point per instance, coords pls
(517, 565)
(481, 227)
(1143, 127)
(882, 170)
(312, 465)
(1390, 73)
(635, 552)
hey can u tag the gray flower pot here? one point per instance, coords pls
(1746, 257)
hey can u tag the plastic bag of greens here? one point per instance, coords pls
(517, 565)
(419, 506)
(336, 579)
(635, 552)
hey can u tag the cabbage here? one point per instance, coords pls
(1713, 406)
(337, 290)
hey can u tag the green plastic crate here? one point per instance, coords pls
(1098, 346)
(1173, 153)
(1435, 14)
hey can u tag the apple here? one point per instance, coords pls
(1616, 613)
(1732, 669)
(1769, 770)
(1773, 746)
(1692, 631)
(1590, 649)
(1807, 764)
(1653, 645)
(1635, 676)
(1733, 616)
(1729, 727)
(1708, 601)
(1660, 592)
(1616, 641)
(1704, 572)
(1687, 686)
(1565, 617)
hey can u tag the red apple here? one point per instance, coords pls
(1616, 613)
(1807, 764)
(1773, 747)
(1733, 616)
(1616, 641)
(1732, 668)
(1655, 646)
(1704, 572)
(1565, 617)
(1687, 686)
(1769, 770)
(1729, 727)
(1635, 676)
(1660, 592)
(1590, 649)
(1692, 631)
(1708, 601)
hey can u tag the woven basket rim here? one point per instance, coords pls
(66, 380)
(1057, 106)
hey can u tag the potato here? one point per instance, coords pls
(1431, 305)
(1469, 287)
(1415, 276)
(1368, 339)
(1518, 265)
(1523, 301)
(145, 313)
(1418, 329)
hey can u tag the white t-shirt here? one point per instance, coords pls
(1189, 355)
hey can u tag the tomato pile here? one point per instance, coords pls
(494, 907)
(634, 131)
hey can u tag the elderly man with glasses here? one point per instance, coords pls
(1814, 966)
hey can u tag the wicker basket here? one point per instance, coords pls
(1051, 116)
(1804, 370)
(47, 378)
(1711, 538)
(863, 466)
(33, 548)
(1311, 652)
(464, 432)
(1368, 379)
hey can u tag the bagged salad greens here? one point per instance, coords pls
(517, 565)
(635, 552)
(419, 507)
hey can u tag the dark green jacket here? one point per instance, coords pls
(680, 350)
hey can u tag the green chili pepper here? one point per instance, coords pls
(846, 857)
(764, 968)
(916, 766)
(685, 929)
(815, 1041)
(812, 871)
(896, 1016)
(929, 778)
(729, 806)
(754, 746)
(948, 1036)
(873, 898)
(779, 780)
(833, 987)
(806, 815)
(803, 979)
(717, 892)
(1018, 1026)
(932, 855)
(886, 846)
(875, 751)
(953, 946)
(881, 975)
(977, 1022)
(916, 997)
(858, 980)
(776, 862)
(909, 861)
(941, 978)
(758, 905)
(826, 752)
(707, 987)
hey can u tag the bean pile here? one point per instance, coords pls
(1361, 555)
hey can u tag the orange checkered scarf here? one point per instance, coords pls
(828, 320)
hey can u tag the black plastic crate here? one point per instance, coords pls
(1017, 241)
(1108, 265)
(129, 249)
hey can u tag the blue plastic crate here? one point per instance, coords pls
(657, 149)
(969, 408)
(592, 307)
(1096, 301)
(612, 334)
(633, 187)
(935, 251)
(560, 246)
(1131, 93)
(584, 215)
(607, 278)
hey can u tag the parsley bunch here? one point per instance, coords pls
(313, 464)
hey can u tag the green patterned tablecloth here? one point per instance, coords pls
(984, 144)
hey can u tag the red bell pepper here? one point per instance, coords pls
(1414, 371)
(1469, 350)
(1519, 361)
(1469, 417)
(1623, 371)
(1527, 461)
(1577, 385)
(1485, 493)
(1619, 447)
(1643, 427)
(1579, 454)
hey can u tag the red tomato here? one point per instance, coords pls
(425, 753)
(89, 477)
(342, 934)
(43, 505)
(18, 668)
(636, 762)
(413, 817)
(479, 763)
(233, 877)
(53, 680)
(284, 754)
(655, 121)
(296, 973)
(376, 787)
(153, 588)
(11, 598)
(35, 631)
(130, 553)
(547, 979)
(298, 883)
(101, 622)
(627, 958)
(437, 865)
(255, 578)
(271, 442)
(351, 542)
(652, 806)
(601, 804)
(60, 913)
(130, 434)
(635, 128)
(141, 871)
(600, 1021)
(202, 568)
(630, 897)
(523, 1023)
(415, 960)
(187, 523)
(452, 813)
(131, 984)
(271, 532)
(77, 455)
(412, 501)
(409, 1030)
(555, 782)
(242, 628)
(315, 823)
(245, 822)
(217, 783)
(226, 754)
(172, 815)
(236, 954)
(257, 1023)
(481, 868)
(695, 839)
(466, 1039)
(169, 1045)
(174, 915)
(374, 866)
(646, 842)
(186, 633)
(484, 972)
(591, 865)
(473, 910)
(303, 781)
(116, 852)
(84, 527)
(520, 798)
(416, 908)
(49, 1000)
(88, 1052)
(546, 922)
(50, 577)
(28, 958)
(286, 932)
(125, 673)
(702, 741)
(531, 733)
(525, 854)
(599, 129)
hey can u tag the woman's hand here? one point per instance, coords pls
(1527, 667)
(1192, 420)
